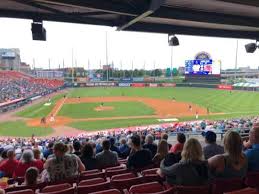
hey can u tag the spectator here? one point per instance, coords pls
(26, 162)
(162, 151)
(192, 170)
(150, 145)
(77, 147)
(9, 165)
(164, 136)
(178, 147)
(140, 158)
(211, 148)
(233, 163)
(113, 147)
(31, 176)
(63, 166)
(49, 150)
(37, 153)
(124, 148)
(107, 158)
(87, 157)
(252, 154)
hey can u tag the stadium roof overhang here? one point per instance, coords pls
(219, 18)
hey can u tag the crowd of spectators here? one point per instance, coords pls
(15, 85)
(184, 162)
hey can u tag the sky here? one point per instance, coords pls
(88, 45)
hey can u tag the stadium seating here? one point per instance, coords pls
(26, 191)
(125, 181)
(65, 191)
(146, 188)
(244, 191)
(53, 188)
(252, 179)
(110, 191)
(93, 185)
(85, 175)
(151, 175)
(220, 186)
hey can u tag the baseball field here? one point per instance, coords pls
(91, 109)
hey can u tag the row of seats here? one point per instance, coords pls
(115, 178)
(145, 188)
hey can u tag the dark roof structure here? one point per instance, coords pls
(220, 18)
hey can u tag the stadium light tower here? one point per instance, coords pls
(172, 41)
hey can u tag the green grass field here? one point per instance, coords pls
(39, 110)
(86, 110)
(233, 105)
(19, 129)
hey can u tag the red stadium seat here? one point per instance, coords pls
(252, 179)
(58, 187)
(193, 189)
(26, 191)
(151, 175)
(116, 168)
(90, 171)
(110, 173)
(110, 191)
(220, 186)
(125, 181)
(87, 176)
(24, 187)
(244, 191)
(83, 189)
(152, 187)
(91, 181)
(65, 191)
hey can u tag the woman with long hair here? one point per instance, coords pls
(162, 151)
(192, 170)
(233, 163)
(87, 157)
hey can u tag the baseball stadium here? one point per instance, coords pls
(188, 126)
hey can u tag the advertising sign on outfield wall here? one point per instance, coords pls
(225, 87)
(137, 85)
(138, 79)
(124, 84)
(168, 84)
(153, 85)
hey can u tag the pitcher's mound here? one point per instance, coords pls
(103, 108)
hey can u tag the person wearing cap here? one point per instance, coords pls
(252, 153)
(211, 148)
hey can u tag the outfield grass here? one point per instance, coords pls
(20, 129)
(108, 124)
(86, 110)
(238, 103)
(39, 110)
(234, 104)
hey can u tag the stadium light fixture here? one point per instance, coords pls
(38, 31)
(251, 47)
(173, 40)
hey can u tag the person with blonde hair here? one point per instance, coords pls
(192, 170)
(63, 165)
(162, 151)
(231, 164)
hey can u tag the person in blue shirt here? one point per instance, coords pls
(252, 153)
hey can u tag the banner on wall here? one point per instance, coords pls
(225, 87)
(138, 85)
(153, 85)
(124, 84)
(168, 84)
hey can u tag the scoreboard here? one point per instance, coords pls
(202, 67)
